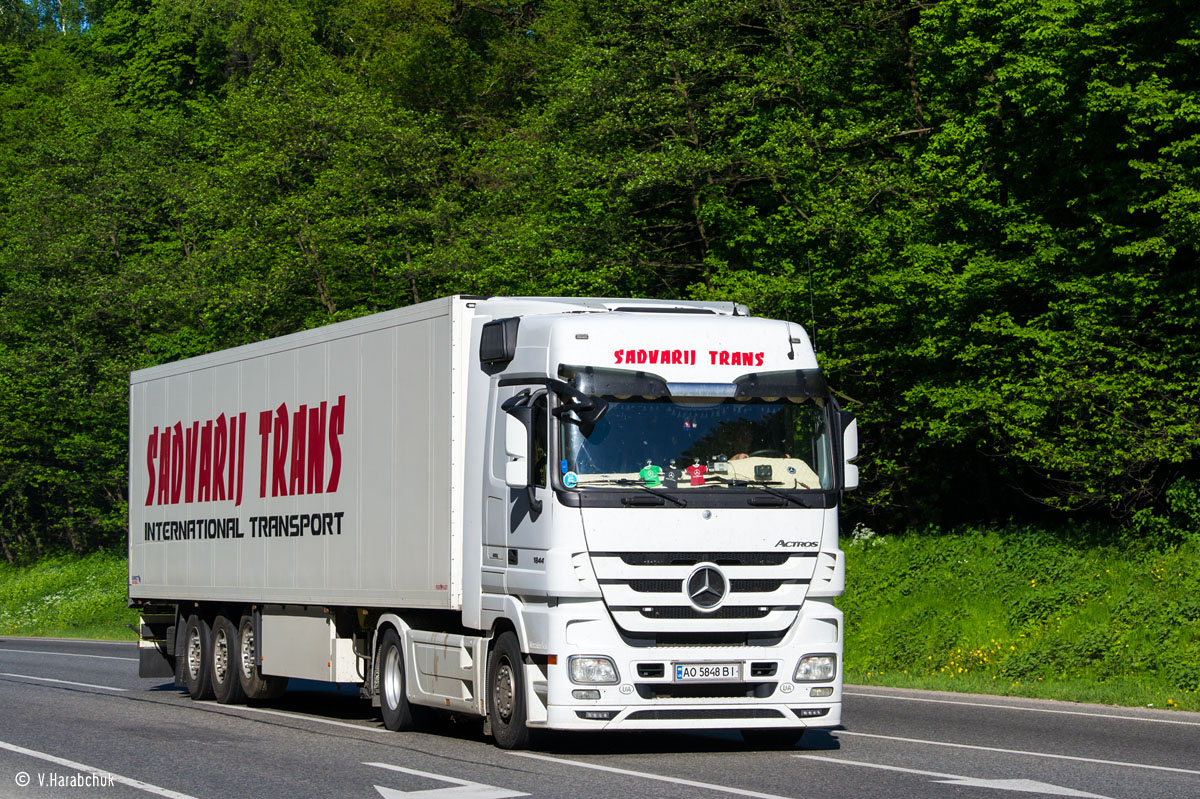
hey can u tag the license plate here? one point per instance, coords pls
(708, 672)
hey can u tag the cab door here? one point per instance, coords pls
(515, 515)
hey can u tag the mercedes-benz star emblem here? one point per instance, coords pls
(707, 587)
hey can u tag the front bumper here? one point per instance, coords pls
(647, 697)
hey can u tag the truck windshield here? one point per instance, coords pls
(696, 441)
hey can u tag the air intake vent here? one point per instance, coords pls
(692, 558)
(705, 638)
(661, 309)
(648, 671)
(730, 612)
(716, 713)
(754, 586)
(718, 690)
(656, 586)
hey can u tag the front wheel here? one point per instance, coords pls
(393, 698)
(507, 707)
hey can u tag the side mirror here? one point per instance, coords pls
(849, 451)
(516, 447)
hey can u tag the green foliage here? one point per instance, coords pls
(988, 211)
(1018, 611)
(73, 597)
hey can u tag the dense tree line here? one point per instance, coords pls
(987, 212)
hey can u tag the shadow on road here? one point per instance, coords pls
(341, 703)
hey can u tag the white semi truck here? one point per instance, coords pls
(550, 513)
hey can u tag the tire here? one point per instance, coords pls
(255, 685)
(197, 658)
(226, 662)
(507, 705)
(391, 684)
(773, 738)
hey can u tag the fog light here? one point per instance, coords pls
(596, 715)
(810, 712)
(825, 690)
(592, 669)
(816, 668)
(593, 694)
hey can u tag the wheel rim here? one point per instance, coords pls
(504, 690)
(393, 677)
(194, 651)
(248, 663)
(221, 656)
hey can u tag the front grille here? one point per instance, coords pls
(716, 713)
(672, 586)
(763, 669)
(719, 558)
(649, 591)
(656, 586)
(733, 612)
(703, 638)
(754, 586)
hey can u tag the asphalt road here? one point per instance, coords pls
(75, 720)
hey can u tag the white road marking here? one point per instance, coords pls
(1024, 709)
(1023, 786)
(1018, 752)
(465, 790)
(71, 764)
(61, 682)
(63, 654)
(645, 775)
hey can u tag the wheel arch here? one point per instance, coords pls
(510, 618)
(389, 621)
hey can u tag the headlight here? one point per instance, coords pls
(816, 668)
(592, 669)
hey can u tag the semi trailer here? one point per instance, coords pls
(547, 513)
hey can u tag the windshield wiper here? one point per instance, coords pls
(767, 487)
(625, 481)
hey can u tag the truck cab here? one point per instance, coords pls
(659, 491)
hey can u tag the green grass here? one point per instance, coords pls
(1019, 612)
(67, 597)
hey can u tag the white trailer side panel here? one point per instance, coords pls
(317, 468)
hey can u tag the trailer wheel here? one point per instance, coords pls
(254, 684)
(197, 660)
(393, 699)
(507, 707)
(226, 662)
(773, 738)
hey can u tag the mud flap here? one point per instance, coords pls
(156, 644)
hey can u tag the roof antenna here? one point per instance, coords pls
(791, 349)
